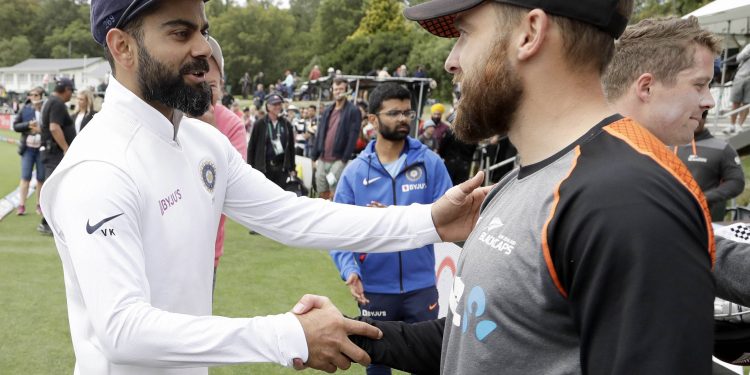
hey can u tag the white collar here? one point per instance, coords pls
(121, 99)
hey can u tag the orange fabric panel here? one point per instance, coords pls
(647, 144)
(545, 242)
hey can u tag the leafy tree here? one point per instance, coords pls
(255, 38)
(382, 16)
(655, 8)
(361, 54)
(431, 52)
(16, 17)
(14, 50)
(74, 40)
(54, 15)
(336, 19)
(304, 12)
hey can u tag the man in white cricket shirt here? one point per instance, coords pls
(135, 204)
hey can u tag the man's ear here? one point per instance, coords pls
(373, 119)
(643, 86)
(532, 32)
(122, 47)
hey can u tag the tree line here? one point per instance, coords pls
(355, 36)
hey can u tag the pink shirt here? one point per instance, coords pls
(230, 125)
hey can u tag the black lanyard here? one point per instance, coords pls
(277, 133)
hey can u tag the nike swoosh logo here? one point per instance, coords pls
(367, 182)
(92, 228)
(433, 306)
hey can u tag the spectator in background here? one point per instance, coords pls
(85, 111)
(289, 84)
(58, 131)
(248, 118)
(236, 109)
(27, 122)
(336, 138)
(383, 73)
(441, 127)
(247, 84)
(401, 72)
(259, 97)
(271, 147)
(227, 99)
(314, 73)
(299, 124)
(397, 285)
(227, 122)
(420, 73)
(740, 94)
(259, 79)
(428, 136)
(312, 120)
(716, 167)
(457, 155)
(363, 139)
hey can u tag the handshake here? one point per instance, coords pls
(326, 331)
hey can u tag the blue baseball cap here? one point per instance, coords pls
(110, 14)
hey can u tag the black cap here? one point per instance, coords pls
(62, 83)
(274, 99)
(110, 14)
(437, 16)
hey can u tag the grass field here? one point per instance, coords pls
(256, 276)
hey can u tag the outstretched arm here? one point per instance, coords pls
(410, 347)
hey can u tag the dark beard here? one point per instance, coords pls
(157, 83)
(490, 99)
(394, 134)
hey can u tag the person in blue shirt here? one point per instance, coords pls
(394, 169)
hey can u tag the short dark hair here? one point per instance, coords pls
(386, 91)
(313, 107)
(338, 80)
(135, 28)
(362, 104)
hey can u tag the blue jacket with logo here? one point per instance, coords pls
(422, 179)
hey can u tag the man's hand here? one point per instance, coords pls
(356, 289)
(376, 204)
(456, 212)
(326, 332)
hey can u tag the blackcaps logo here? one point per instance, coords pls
(414, 173)
(208, 174)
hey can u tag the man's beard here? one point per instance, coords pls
(489, 99)
(393, 134)
(157, 83)
(436, 120)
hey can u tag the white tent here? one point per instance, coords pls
(725, 17)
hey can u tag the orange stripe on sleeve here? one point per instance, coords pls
(545, 242)
(645, 143)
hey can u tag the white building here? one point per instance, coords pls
(86, 72)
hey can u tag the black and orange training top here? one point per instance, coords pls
(596, 261)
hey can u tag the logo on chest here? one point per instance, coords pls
(208, 175)
(169, 201)
(495, 240)
(697, 159)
